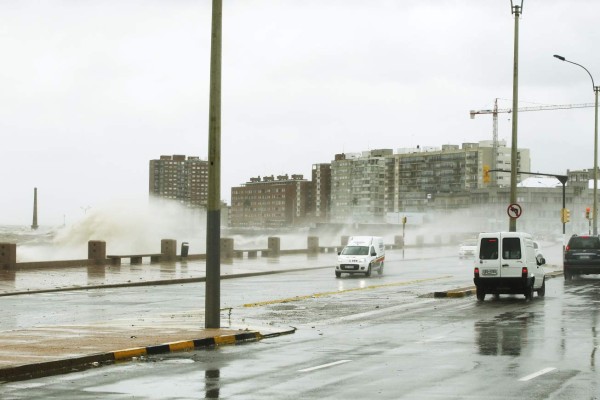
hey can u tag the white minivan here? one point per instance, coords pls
(506, 263)
(362, 255)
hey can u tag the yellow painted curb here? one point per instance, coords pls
(129, 353)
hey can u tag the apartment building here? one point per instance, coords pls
(366, 186)
(358, 186)
(321, 183)
(180, 178)
(271, 202)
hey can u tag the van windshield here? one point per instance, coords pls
(355, 250)
(511, 248)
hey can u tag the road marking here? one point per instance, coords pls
(315, 295)
(324, 366)
(536, 374)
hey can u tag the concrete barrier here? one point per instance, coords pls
(274, 245)
(97, 251)
(312, 244)
(227, 251)
(168, 249)
(8, 255)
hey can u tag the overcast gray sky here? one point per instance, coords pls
(90, 91)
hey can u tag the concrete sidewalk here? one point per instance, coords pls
(51, 350)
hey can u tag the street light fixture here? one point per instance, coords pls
(596, 90)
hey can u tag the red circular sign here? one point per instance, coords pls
(514, 210)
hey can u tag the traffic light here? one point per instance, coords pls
(403, 220)
(587, 213)
(486, 174)
(565, 215)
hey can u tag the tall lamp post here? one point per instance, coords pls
(517, 10)
(212, 300)
(596, 90)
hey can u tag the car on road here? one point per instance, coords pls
(362, 255)
(582, 256)
(507, 264)
(467, 249)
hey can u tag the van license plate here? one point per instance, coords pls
(489, 272)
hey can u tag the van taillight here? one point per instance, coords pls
(524, 272)
(476, 272)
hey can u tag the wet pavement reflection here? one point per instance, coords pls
(505, 335)
(211, 383)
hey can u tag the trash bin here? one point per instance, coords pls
(184, 249)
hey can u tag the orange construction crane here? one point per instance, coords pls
(495, 111)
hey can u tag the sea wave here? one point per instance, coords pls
(21, 234)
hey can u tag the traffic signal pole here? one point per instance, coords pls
(562, 179)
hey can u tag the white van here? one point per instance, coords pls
(506, 263)
(362, 255)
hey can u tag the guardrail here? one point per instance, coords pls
(134, 258)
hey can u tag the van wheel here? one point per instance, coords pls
(380, 272)
(480, 294)
(542, 291)
(529, 293)
(368, 273)
(338, 274)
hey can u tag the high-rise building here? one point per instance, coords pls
(358, 186)
(366, 186)
(321, 182)
(421, 176)
(180, 178)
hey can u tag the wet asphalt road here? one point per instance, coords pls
(376, 338)
(79, 307)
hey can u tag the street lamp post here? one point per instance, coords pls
(212, 299)
(595, 175)
(517, 10)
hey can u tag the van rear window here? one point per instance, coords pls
(488, 250)
(511, 248)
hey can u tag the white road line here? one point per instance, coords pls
(324, 366)
(536, 374)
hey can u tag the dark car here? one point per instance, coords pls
(582, 256)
